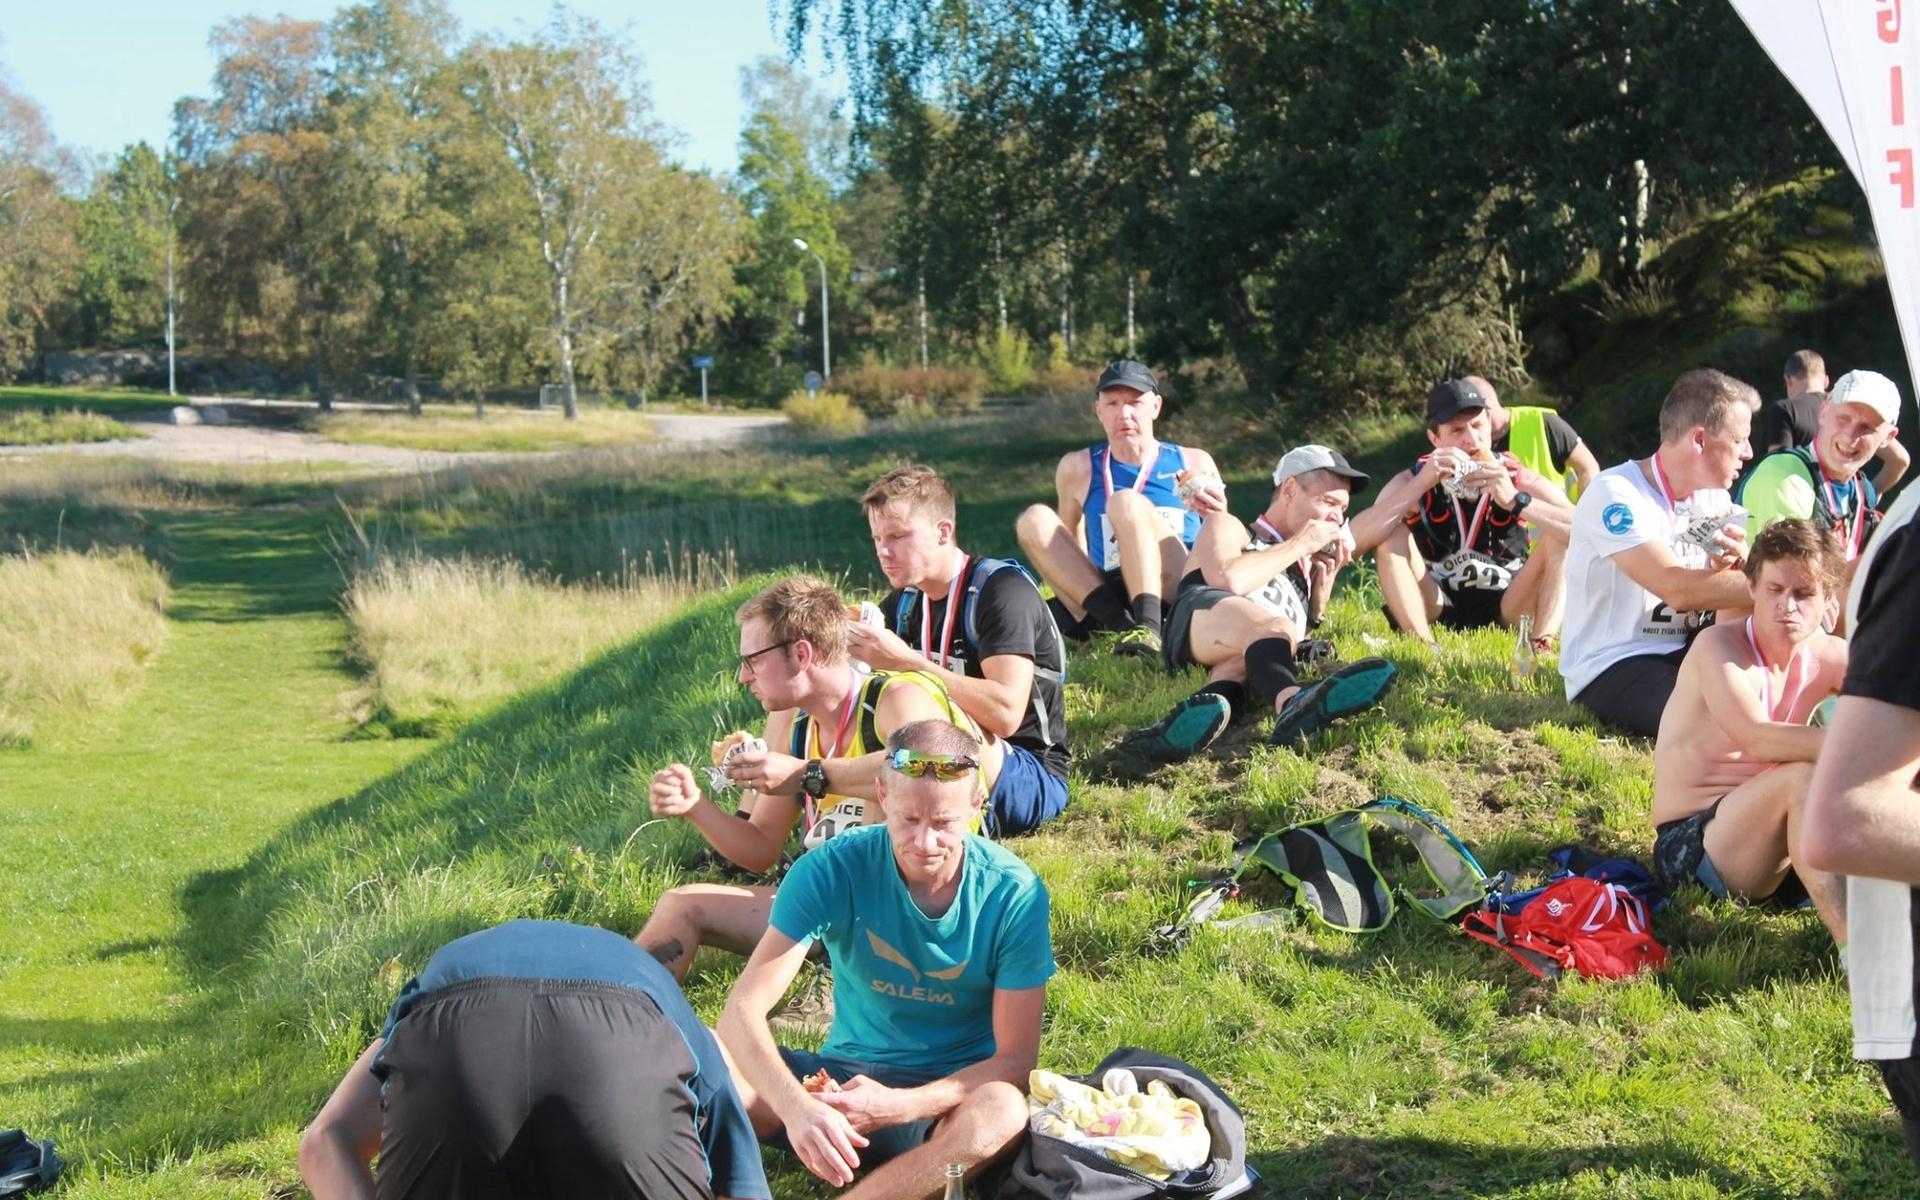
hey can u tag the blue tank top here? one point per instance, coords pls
(1158, 491)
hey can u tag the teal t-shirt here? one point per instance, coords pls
(912, 991)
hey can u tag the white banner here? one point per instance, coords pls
(1857, 65)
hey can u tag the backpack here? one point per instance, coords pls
(1048, 1168)
(1579, 924)
(26, 1164)
(980, 570)
(1823, 513)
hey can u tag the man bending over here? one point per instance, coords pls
(1247, 602)
(1735, 751)
(1112, 549)
(941, 954)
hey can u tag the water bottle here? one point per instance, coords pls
(956, 1182)
(1520, 666)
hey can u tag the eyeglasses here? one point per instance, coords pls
(746, 660)
(944, 767)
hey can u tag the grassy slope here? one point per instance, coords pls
(99, 400)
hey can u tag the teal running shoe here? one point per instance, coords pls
(1194, 724)
(1354, 688)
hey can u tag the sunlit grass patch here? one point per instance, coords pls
(459, 431)
(28, 428)
(75, 630)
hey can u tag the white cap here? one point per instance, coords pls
(1869, 389)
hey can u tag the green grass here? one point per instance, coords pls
(26, 428)
(220, 892)
(504, 430)
(99, 400)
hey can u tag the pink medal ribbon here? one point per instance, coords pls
(1139, 483)
(1852, 537)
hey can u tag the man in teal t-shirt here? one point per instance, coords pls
(941, 954)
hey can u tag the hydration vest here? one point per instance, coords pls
(1823, 512)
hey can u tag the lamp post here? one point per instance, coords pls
(826, 346)
(170, 211)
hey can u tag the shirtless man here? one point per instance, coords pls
(1113, 548)
(1735, 752)
(1247, 601)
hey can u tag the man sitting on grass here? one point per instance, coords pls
(1637, 589)
(536, 1059)
(1247, 601)
(941, 954)
(1113, 548)
(1825, 480)
(980, 627)
(825, 733)
(1735, 751)
(1451, 533)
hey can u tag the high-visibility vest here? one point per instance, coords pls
(1527, 441)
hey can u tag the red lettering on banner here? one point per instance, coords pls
(1899, 95)
(1887, 20)
(1902, 176)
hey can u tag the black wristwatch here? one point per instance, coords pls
(813, 780)
(1521, 500)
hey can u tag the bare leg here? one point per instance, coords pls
(1059, 556)
(1550, 605)
(986, 1125)
(704, 914)
(1401, 575)
(1142, 540)
(1219, 637)
(1750, 836)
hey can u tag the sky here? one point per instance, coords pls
(107, 72)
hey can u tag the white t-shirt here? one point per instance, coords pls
(1610, 617)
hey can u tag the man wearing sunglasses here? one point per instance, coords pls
(825, 734)
(979, 626)
(941, 954)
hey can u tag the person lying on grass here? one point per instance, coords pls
(1247, 601)
(612, 1086)
(941, 953)
(980, 627)
(1735, 751)
(825, 736)
(1128, 510)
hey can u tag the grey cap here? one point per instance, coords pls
(1302, 459)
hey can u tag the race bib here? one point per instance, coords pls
(1472, 569)
(841, 814)
(1661, 621)
(1175, 519)
(1281, 598)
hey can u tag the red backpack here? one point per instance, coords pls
(1578, 924)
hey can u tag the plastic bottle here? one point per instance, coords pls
(1520, 666)
(956, 1182)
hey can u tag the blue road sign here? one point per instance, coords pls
(703, 362)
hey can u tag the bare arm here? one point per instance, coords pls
(1016, 1039)
(1583, 465)
(1550, 510)
(900, 704)
(1224, 562)
(1894, 461)
(1391, 508)
(337, 1150)
(1733, 706)
(1862, 817)
(1685, 589)
(1070, 480)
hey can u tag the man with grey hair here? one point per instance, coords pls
(1247, 601)
(1655, 550)
(941, 954)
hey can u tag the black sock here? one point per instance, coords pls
(1270, 668)
(1146, 611)
(1232, 691)
(1107, 605)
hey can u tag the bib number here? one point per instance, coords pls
(1281, 599)
(1472, 569)
(840, 814)
(1662, 621)
(1175, 519)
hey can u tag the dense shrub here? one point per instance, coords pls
(879, 390)
(830, 413)
(1008, 359)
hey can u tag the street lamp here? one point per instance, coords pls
(826, 346)
(170, 212)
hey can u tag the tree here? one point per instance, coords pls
(120, 290)
(38, 248)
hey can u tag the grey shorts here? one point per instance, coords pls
(1192, 598)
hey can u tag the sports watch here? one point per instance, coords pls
(1521, 500)
(813, 780)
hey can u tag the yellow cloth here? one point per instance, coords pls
(1155, 1132)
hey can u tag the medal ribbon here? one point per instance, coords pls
(953, 610)
(1139, 483)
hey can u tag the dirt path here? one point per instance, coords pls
(249, 443)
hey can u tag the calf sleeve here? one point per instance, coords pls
(1146, 611)
(1270, 668)
(1232, 691)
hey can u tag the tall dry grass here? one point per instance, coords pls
(443, 639)
(75, 630)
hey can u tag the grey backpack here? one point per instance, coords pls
(1051, 1169)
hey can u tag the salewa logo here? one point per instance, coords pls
(920, 991)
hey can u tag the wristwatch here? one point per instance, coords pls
(1521, 500)
(813, 780)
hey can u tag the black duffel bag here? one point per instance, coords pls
(1051, 1169)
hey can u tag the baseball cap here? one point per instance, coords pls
(1127, 373)
(1869, 389)
(1452, 398)
(1302, 459)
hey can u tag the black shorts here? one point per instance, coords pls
(499, 1088)
(1633, 692)
(1467, 608)
(1079, 629)
(1680, 857)
(1191, 598)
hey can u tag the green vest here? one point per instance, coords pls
(1527, 441)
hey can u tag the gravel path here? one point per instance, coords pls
(242, 443)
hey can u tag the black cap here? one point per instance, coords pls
(1450, 399)
(1127, 373)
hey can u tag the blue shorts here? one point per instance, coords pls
(1025, 796)
(882, 1144)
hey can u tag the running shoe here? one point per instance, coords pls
(1193, 725)
(1353, 688)
(811, 1009)
(1137, 641)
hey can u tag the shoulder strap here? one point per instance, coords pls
(870, 693)
(983, 570)
(802, 725)
(1447, 860)
(900, 611)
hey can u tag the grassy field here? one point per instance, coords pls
(21, 427)
(96, 400)
(458, 431)
(222, 890)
